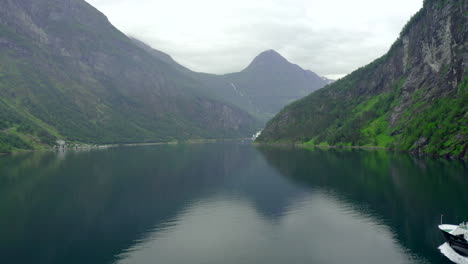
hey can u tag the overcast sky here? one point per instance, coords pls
(329, 37)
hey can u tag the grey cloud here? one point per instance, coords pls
(331, 38)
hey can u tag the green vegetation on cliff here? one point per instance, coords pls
(413, 98)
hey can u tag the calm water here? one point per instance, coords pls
(227, 203)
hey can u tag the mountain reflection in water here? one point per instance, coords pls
(229, 203)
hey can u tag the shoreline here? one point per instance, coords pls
(328, 146)
(86, 146)
(302, 145)
(191, 141)
(83, 146)
(351, 147)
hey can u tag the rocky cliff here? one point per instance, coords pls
(413, 98)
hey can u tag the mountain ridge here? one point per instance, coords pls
(268, 83)
(67, 73)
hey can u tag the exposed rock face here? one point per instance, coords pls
(410, 94)
(66, 70)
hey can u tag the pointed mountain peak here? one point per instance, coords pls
(270, 56)
(270, 53)
(267, 59)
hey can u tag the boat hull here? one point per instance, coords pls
(459, 244)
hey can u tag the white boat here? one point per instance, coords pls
(457, 237)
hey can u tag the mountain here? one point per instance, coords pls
(67, 73)
(160, 55)
(413, 98)
(272, 82)
(265, 86)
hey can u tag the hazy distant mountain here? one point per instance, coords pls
(413, 98)
(269, 82)
(66, 72)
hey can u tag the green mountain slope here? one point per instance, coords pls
(67, 73)
(413, 98)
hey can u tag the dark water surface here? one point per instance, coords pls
(227, 203)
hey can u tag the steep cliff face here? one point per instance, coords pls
(66, 72)
(413, 98)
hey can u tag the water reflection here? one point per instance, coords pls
(228, 203)
(404, 192)
(224, 230)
